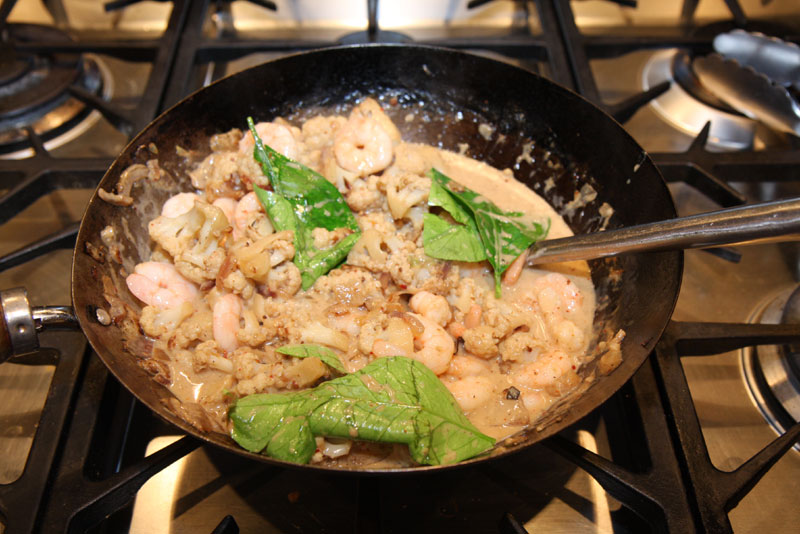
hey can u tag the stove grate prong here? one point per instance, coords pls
(628, 487)
(63, 239)
(111, 494)
(113, 114)
(737, 484)
(36, 143)
(696, 175)
(622, 111)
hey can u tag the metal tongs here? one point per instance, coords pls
(757, 222)
(751, 73)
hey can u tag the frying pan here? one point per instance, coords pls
(556, 142)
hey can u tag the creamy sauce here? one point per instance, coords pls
(505, 360)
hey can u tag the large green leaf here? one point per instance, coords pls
(394, 400)
(504, 235)
(314, 203)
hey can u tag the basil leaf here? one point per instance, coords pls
(505, 235)
(312, 201)
(447, 241)
(395, 400)
(328, 357)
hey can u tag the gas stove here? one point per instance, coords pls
(690, 444)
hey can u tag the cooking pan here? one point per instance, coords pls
(556, 142)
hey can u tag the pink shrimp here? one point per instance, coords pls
(160, 285)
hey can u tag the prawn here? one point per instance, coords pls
(250, 214)
(226, 313)
(436, 346)
(472, 391)
(432, 306)
(553, 371)
(160, 285)
(177, 205)
(276, 136)
(362, 146)
(557, 292)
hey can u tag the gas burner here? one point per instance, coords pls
(35, 91)
(772, 372)
(688, 106)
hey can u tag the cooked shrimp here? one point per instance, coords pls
(434, 307)
(227, 311)
(362, 146)
(553, 370)
(249, 213)
(179, 204)
(464, 366)
(276, 136)
(436, 346)
(472, 391)
(160, 285)
(555, 292)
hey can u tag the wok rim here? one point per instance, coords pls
(616, 378)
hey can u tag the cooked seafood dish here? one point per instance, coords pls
(327, 286)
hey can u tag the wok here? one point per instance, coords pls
(495, 108)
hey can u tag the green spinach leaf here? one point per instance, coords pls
(302, 201)
(328, 357)
(504, 235)
(447, 241)
(395, 400)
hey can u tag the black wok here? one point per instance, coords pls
(576, 147)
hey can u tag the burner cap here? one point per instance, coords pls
(34, 88)
(29, 82)
(772, 373)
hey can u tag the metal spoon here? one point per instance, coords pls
(725, 227)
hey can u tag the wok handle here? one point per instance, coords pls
(21, 324)
(724, 227)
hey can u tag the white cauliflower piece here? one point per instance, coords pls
(404, 191)
(256, 258)
(322, 335)
(284, 279)
(156, 322)
(193, 240)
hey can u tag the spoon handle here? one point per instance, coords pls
(724, 227)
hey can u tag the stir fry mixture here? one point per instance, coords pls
(388, 301)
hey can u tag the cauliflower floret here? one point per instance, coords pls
(324, 238)
(348, 286)
(256, 331)
(284, 279)
(193, 240)
(227, 174)
(521, 346)
(481, 341)
(197, 327)
(236, 282)
(156, 322)
(371, 331)
(404, 191)
(365, 195)
(208, 355)
(257, 258)
(322, 335)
